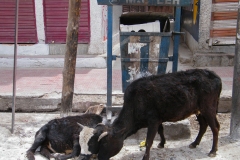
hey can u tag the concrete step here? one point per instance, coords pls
(81, 102)
(53, 61)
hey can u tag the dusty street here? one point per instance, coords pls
(14, 146)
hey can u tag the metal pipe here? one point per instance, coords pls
(235, 110)
(109, 62)
(15, 64)
(176, 39)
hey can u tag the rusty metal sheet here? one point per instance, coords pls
(56, 16)
(27, 32)
(223, 22)
(146, 2)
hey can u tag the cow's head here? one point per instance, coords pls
(99, 140)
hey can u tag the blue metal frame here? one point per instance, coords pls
(109, 61)
(164, 43)
(164, 48)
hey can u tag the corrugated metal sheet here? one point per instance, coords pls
(27, 22)
(56, 16)
(127, 8)
(163, 9)
(223, 22)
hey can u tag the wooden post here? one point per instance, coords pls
(235, 116)
(70, 57)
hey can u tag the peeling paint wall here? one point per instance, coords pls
(98, 42)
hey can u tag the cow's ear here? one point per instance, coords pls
(122, 131)
(99, 128)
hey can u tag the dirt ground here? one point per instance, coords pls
(14, 146)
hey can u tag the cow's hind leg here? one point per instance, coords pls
(215, 126)
(203, 127)
(151, 133)
(40, 137)
(163, 140)
(75, 152)
(44, 151)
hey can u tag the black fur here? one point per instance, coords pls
(150, 101)
(63, 135)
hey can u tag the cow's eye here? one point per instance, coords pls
(104, 144)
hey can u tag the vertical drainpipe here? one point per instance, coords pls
(109, 61)
(176, 39)
(15, 64)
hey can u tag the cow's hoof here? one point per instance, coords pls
(94, 156)
(30, 155)
(160, 145)
(192, 146)
(212, 154)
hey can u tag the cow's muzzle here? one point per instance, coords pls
(84, 157)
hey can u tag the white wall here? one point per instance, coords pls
(204, 23)
(96, 42)
(40, 21)
(117, 12)
(98, 45)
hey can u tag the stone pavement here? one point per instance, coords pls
(39, 89)
(176, 148)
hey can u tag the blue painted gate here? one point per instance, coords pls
(143, 54)
(163, 56)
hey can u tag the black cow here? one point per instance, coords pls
(150, 101)
(61, 136)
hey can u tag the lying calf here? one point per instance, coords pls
(61, 136)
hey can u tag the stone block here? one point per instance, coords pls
(60, 49)
(212, 59)
(172, 131)
(225, 102)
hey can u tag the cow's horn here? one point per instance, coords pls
(100, 124)
(102, 135)
(81, 125)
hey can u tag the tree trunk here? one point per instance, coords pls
(235, 118)
(70, 57)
